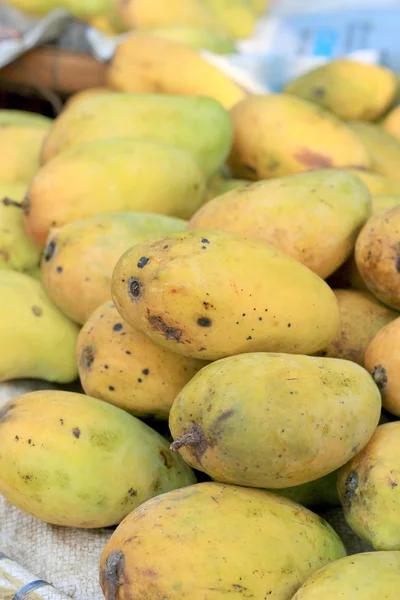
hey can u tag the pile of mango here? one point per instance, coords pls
(223, 277)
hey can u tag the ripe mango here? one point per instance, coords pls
(209, 294)
(146, 63)
(378, 184)
(236, 16)
(23, 118)
(378, 256)
(72, 460)
(391, 123)
(38, 341)
(314, 217)
(121, 365)
(361, 317)
(363, 576)
(384, 202)
(383, 148)
(279, 134)
(86, 93)
(369, 489)
(17, 250)
(198, 125)
(20, 147)
(302, 417)
(197, 38)
(219, 185)
(382, 360)
(281, 544)
(319, 493)
(352, 90)
(111, 176)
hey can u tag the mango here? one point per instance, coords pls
(383, 148)
(209, 294)
(347, 276)
(197, 38)
(361, 576)
(369, 489)
(17, 251)
(146, 63)
(314, 217)
(378, 184)
(352, 90)
(278, 134)
(72, 460)
(259, 6)
(378, 256)
(391, 123)
(86, 93)
(236, 16)
(198, 125)
(20, 147)
(382, 360)
(203, 523)
(38, 341)
(384, 202)
(21, 118)
(302, 417)
(80, 10)
(321, 492)
(121, 365)
(361, 317)
(79, 259)
(111, 176)
(219, 185)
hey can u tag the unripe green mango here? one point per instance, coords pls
(321, 492)
(76, 461)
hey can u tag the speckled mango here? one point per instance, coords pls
(112, 176)
(352, 90)
(320, 493)
(76, 461)
(301, 418)
(378, 184)
(365, 576)
(38, 341)
(391, 122)
(121, 365)
(382, 360)
(384, 202)
(199, 529)
(314, 217)
(377, 256)
(369, 489)
(278, 134)
(383, 148)
(20, 147)
(196, 124)
(209, 294)
(361, 317)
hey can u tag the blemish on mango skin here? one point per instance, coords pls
(379, 375)
(49, 250)
(350, 489)
(111, 575)
(134, 289)
(313, 159)
(158, 324)
(87, 357)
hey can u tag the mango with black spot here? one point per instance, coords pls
(76, 461)
(209, 294)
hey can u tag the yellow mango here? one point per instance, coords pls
(279, 134)
(378, 256)
(352, 90)
(384, 202)
(17, 250)
(302, 417)
(23, 118)
(219, 185)
(363, 576)
(76, 461)
(79, 259)
(383, 148)
(361, 317)
(382, 360)
(391, 123)
(110, 176)
(20, 147)
(197, 125)
(197, 38)
(378, 184)
(121, 365)
(209, 294)
(38, 341)
(236, 16)
(199, 529)
(146, 63)
(81, 10)
(84, 94)
(347, 276)
(369, 489)
(314, 217)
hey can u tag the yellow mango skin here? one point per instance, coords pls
(20, 148)
(23, 118)
(79, 259)
(198, 125)
(369, 489)
(378, 256)
(121, 365)
(236, 16)
(145, 63)
(302, 418)
(391, 123)
(314, 217)
(112, 176)
(382, 360)
(17, 250)
(352, 90)
(278, 134)
(81, 10)
(75, 461)
(84, 94)
(378, 184)
(38, 341)
(197, 38)
(384, 202)
(361, 317)
(205, 521)
(179, 299)
(365, 576)
(382, 147)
